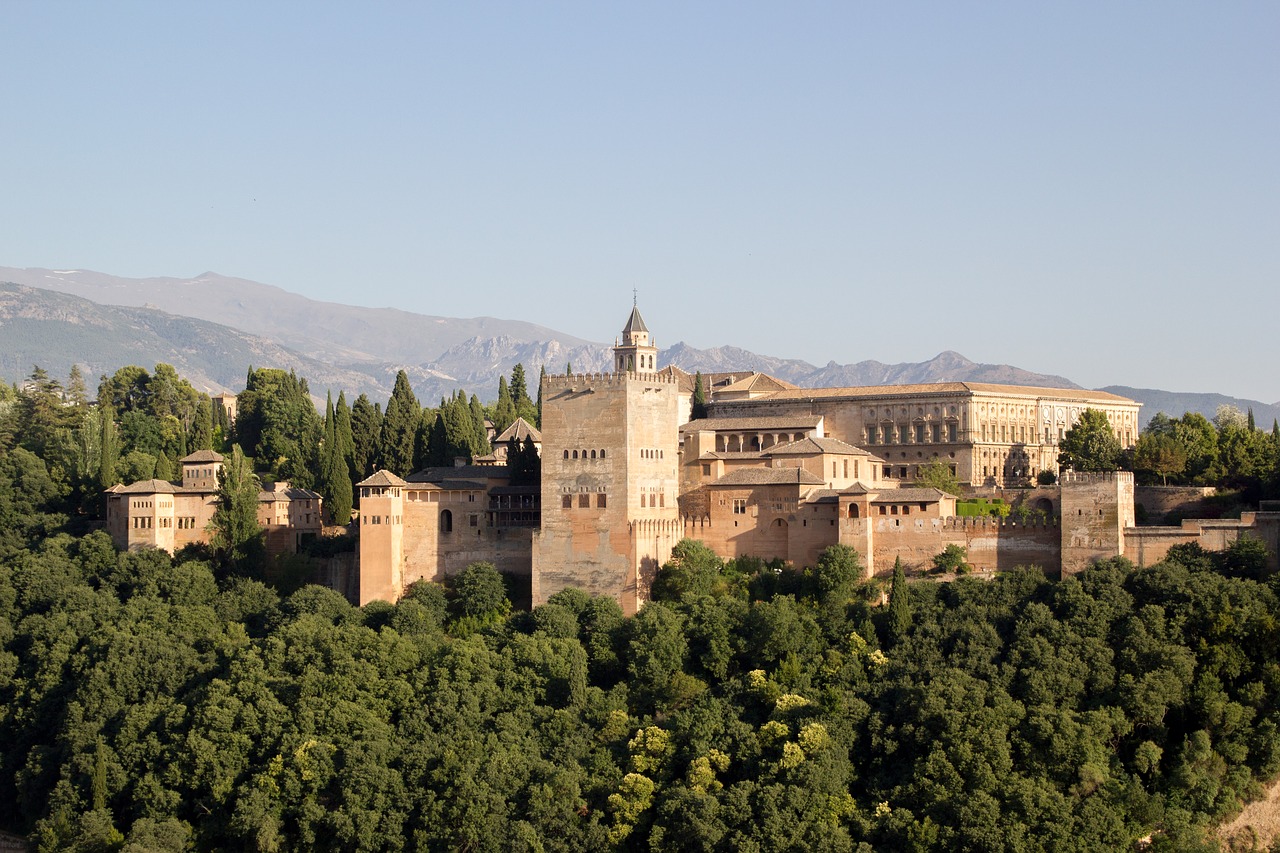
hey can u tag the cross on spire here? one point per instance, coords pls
(634, 297)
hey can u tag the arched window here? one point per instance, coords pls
(566, 454)
(593, 454)
(601, 454)
(446, 521)
(575, 454)
(853, 510)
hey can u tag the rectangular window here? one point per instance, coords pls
(600, 501)
(662, 498)
(566, 502)
(846, 468)
(871, 435)
(951, 432)
(584, 501)
(706, 470)
(920, 433)
(474, 520)
(739, 506)
(902, 472)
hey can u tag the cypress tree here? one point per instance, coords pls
(699, 398)
(525, 407)
(399, 426)
(537, 412)
(202, 426)
(109, 452)
(236, 533)
(480, 446)
(366, 431)
(504, 413)
(342, 433)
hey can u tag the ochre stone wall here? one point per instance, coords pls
(1187, 501)
(610, 459)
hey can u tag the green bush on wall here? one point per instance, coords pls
(977, 507)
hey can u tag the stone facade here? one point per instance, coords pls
(158, 514)
(610, 477)
(775, 472)
(988, 434)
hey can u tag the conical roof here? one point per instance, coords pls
(635, 323)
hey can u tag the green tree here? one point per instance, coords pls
(1160, 454)
(399, 428)
(1090, 445)
(938, 475)
(699, 408)
(366, 428)
(504, 414)
(236, 532)
(480, 592)
(278, 426)
(335, 477)
(899, 603)
(525, 407)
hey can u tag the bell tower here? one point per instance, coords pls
(635, 352)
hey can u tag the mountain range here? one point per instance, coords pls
(213, 327)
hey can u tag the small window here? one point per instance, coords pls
(566, 502)
(446, 521)
(739, 506)
(566, 454)
(706, 470)
(600, 501)
(601, 454)
(584, 501)
(575, 454)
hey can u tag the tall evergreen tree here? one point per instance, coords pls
(202, 426)
(525, 407)
(335, 474)
(480, 444)
(342, 433)
(504, 412)
(699, 398)
(537, 409)
(76, 394)
(237, 536)
(366, 432)
(399, 426)
(109, 452)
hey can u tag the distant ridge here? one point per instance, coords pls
(1175, 404)
(212, 327)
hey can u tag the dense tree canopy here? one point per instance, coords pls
(1091, 444)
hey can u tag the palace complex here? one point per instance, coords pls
(773, 471)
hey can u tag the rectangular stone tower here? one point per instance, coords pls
(1097, 507)
(610, 477)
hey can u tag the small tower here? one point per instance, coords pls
(635, 352)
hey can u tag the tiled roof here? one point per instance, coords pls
(763, 423)
(909, 494)
(520, 429)
(810, 446)
(459, 473)
(635, 323)
(760, 383)
(149, 487)
(943, 388)
(769, 476)
(202, 456)
(382, 477)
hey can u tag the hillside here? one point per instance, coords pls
(358, 349)
(1174, 403)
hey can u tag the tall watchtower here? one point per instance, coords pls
(610, 476)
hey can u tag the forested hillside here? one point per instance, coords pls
(150, 704)
(157, 703)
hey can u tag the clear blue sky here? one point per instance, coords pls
(1088, 189)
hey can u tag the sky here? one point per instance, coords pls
(1085, 189)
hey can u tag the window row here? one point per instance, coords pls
(584, 501)
(921, 433)
(575, 454)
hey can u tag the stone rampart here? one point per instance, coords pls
(1187, 501)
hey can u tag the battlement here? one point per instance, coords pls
(1091, 477)
(587, 381)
